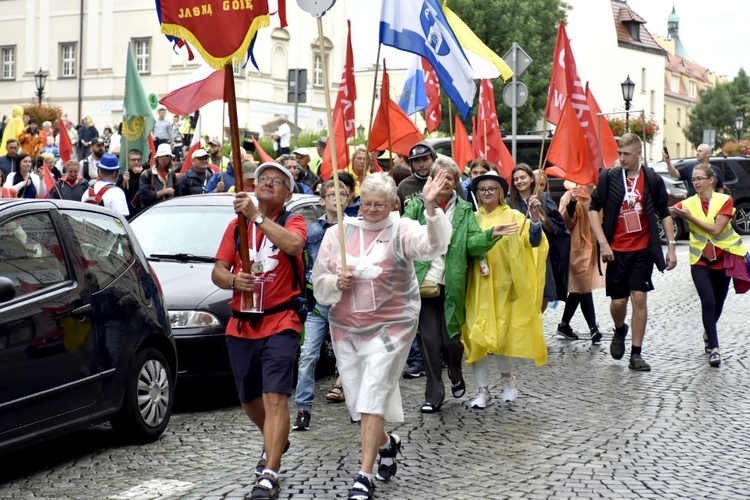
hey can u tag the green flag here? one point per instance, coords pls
(137, 115)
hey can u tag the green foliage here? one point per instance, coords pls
(43, 113)
(532, 24)
(718, 108)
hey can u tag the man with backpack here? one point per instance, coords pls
(196, 178)
(105, 193)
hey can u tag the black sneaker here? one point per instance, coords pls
(566, 331)
(386, 472)
(260, 467)
(596, 335)
(714, 359)
(617, 346)
(638, 364)
(362, 490)
(413, 371)
(303, 421)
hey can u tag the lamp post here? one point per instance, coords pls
(738, 127)
(628, 86)
(40, 78)
(360, 130)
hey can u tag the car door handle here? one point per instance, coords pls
(81, 311)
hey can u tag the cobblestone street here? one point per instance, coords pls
(584, 426)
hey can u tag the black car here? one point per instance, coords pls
(84, 333)
(736, 172)
(180, 236)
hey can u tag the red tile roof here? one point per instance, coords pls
(623, 15)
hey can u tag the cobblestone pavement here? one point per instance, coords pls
(583, 426)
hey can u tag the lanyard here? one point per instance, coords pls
(630, 194)
(259, 255)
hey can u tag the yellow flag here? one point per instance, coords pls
(485, 62)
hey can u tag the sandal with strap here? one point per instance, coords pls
(266, 488)
(429, 408)
(260, 467)
(363, 489)
(336, 394)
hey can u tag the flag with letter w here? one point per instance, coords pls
(421, 27)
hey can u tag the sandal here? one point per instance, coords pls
(458, 389)
(336, 394)
(261, 466)
(429, 408)
(266, 487)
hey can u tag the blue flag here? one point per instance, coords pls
(420, 27)
(414, 97)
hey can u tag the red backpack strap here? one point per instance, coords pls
(96, 198)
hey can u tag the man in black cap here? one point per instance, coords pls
(421, 158)
(88, 165)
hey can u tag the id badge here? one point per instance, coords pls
(363, 296)
(632, 221)
(709, 252)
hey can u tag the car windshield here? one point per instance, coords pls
(187, 230)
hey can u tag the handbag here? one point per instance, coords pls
(429, 289)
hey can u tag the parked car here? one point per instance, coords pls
(736, 172)
(180, 236)
(84, 333)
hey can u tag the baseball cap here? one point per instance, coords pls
(421, 149)
(200, 153)
(301, 152)
(97, 140)
(270, 164)
(248, 169)
(215, 141)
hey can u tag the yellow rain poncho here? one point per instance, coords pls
(504, 308)
(13, 129)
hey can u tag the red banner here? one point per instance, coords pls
(569, 151)
(221, 30)
(488, 131)
(433, 114)
(462, 151)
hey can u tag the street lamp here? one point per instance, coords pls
(738, 127)
(628, 86)
(40, 78)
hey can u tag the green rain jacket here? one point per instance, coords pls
(467, 240)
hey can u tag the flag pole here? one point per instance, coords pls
(332, 143)
(223, 127)
(234, 135)
(450, 124)
(542, 158)
(372, 103)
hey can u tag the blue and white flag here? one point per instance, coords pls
(414, 97)
(421, 27)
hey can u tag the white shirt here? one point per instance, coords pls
(285, 135)
(113, 199)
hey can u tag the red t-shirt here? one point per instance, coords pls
(279, 280)
(726, 209)
(623, 241)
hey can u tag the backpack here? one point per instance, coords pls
(96, 198)
(305, 301)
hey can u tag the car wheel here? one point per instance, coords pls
(679, 230)
(149, 396)
(741, 220)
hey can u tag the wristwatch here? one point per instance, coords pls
(672, 242)
(259, 219)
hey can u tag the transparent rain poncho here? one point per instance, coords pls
(374, 322)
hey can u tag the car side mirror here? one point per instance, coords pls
(7, 289)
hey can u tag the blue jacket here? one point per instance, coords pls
(214, 181)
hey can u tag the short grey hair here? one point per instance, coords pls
(446, 163)
(379, 182)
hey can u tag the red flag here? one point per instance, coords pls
(66, 146)
(477, 143)
(392, 129)
(262, 154)
(49, 180)
(152, 150)
(495, 150)
(564, 74)
(604, 136)
(203, 86)
(462, 151)
(343, 115)
(568, 150)
(195, 143)
(433, 114)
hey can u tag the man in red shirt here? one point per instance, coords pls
(633, 198)
(263, 345)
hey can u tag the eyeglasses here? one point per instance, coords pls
(377, 206)
(332, 196)
(488, 190)
(134, 160)
(265, 179)
(694, 179)
(202, 158)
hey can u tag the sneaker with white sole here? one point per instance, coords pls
(566, 332)
(714, 359)
(596, 335)
(483, 399)
(509, 388)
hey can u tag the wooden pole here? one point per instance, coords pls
(372, 104)
(332, 144)
(450, 126)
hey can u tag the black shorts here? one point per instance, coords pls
(630, 271)
(263, 365)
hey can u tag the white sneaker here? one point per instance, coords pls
(483, 399)
(509, 388)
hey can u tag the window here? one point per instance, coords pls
(105, 246)
(317, 71)
(643, 79)
(30, 253)
(675, 87)
(67, 60)
(679, 116)
(679, 151)
(8, 56)
(142, 53)
(238, 70)
(728, 173)
(693, 91)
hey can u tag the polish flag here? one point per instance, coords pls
(203, 86)
(195, 143)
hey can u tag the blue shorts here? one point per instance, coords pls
(263, 365)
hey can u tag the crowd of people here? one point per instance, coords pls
(442, 270)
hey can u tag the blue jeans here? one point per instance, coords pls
(316, 327)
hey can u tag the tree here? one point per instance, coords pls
(717, 109)
(533, 25)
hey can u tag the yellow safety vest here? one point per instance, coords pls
(728, 240)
